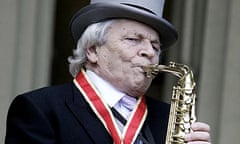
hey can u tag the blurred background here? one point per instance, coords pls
(35, 42)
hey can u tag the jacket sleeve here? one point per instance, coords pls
(27, 123)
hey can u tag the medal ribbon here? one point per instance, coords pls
(105, 115)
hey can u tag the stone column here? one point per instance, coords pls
(25, 49)
(230, 105)
(219, 80)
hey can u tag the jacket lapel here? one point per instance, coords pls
(87, 118)
(157, 119)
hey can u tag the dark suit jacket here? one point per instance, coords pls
(60, 115)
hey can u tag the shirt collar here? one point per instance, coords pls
(107, 92)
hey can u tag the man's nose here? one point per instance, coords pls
(147, 50)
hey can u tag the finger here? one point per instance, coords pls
(198, 136)
(199, 126)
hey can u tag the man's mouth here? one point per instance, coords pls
(141, 68)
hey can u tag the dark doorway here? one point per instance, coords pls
(63, 43)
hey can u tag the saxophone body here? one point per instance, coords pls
(182, 111)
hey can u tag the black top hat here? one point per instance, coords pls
(148, 12)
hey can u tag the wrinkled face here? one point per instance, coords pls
(129, 46)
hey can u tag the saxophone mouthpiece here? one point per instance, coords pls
(151, 71)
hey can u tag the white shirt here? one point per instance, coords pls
(110, 95)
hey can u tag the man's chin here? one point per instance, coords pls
(139, 90)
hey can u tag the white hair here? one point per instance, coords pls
(94, 35)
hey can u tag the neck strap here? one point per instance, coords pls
(103, 112)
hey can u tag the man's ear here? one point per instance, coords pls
(92, 54)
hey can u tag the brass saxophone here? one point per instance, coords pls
(182, 111)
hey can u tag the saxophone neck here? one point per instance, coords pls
(176, 69)
(183, 72)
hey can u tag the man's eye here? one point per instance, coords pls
(132, 39)
(156, 48)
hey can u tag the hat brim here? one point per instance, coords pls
(101, 11)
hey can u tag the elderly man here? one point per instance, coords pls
(105, 103)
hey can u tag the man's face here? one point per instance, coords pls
(129, 46)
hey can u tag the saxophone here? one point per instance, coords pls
(182, 111)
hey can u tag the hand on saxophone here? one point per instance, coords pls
(200, 134)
